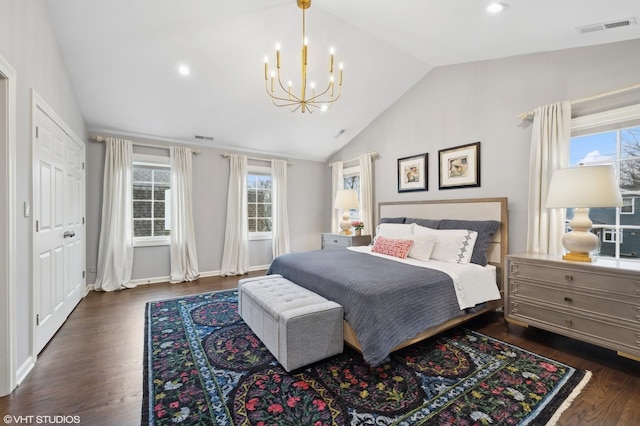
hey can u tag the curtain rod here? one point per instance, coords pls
(529, 115)
(150, 145)
(374, 155)
(227, 155)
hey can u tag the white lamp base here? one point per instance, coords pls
(580, 242)
(345, 223)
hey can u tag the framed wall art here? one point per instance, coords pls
(413, 173)
(459, 166)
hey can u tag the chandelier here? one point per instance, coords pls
(285, 96)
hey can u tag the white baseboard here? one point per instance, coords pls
(24, 370)
(143, 281)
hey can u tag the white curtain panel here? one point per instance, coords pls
(337, 182)
(235, 258)
(366, 193)
(280, 230)
(115, 250)
(184, 258)
(550, 138)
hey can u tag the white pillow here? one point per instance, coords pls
(422, 246)
(390, 229)
(452, 245)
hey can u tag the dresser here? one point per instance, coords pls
(330, 241)
(597, 302)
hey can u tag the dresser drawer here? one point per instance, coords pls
(335, 241)
(624, 308)
(571, 278)
(330, 241)
(610, 335)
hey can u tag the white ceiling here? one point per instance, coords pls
(123, 55)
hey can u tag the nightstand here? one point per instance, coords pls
(596, 302)
(332, 241)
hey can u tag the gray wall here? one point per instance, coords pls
(308, 212)
(27, 42)
(480, 101)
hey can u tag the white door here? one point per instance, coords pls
(58, 207)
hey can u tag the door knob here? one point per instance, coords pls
(68, 234)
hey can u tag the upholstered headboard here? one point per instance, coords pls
(461, 209)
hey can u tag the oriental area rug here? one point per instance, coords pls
(203, 365)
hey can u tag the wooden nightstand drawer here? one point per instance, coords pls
(616, 306)
(581, 327)
(572, 278)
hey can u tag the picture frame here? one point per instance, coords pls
(459, 167)
(413, 173)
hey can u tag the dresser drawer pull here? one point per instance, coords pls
(335, 241)
(568, 299)
(567, 323)
(513, 269)
(568, 278)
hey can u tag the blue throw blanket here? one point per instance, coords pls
(386, 302)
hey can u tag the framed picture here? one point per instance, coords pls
(459, 166)
(413, 173)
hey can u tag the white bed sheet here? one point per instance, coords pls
(473, 283)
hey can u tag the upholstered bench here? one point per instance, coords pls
(298, 326)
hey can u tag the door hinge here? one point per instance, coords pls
(83, 165)
(37, 132)
(37, 225)
(83, 220)
(82, 274)
(37, 319)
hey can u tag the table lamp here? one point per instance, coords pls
(346, 199)
(582, 188)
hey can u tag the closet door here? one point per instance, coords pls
(58, 208)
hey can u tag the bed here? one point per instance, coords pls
(389, 302)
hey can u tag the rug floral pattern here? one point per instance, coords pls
(203, 365)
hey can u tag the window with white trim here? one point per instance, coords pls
(351, 178)
(612, 137)
(151, 200)
(259, 199)
(627, 206)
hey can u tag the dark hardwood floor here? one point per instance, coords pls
(93, 366)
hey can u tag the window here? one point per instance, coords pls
(151, 200)
(618, 145)
(259, 202)
(351, 177)
(610, 235)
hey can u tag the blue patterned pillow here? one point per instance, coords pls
(392, 220)
(427, 223)
(485, 230)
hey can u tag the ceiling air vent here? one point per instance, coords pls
(203, 138)
(606, 25)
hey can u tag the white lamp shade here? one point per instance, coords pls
(587, 186)
(346, 199)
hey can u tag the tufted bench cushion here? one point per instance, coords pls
(298, 326)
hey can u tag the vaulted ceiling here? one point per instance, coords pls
(123, 57)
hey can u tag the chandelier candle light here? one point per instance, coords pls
(284, 96)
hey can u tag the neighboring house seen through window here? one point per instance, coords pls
(151, 200)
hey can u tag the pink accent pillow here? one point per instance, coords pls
(392, 247)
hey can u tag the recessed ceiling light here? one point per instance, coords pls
(496, 7)
(184, 70)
